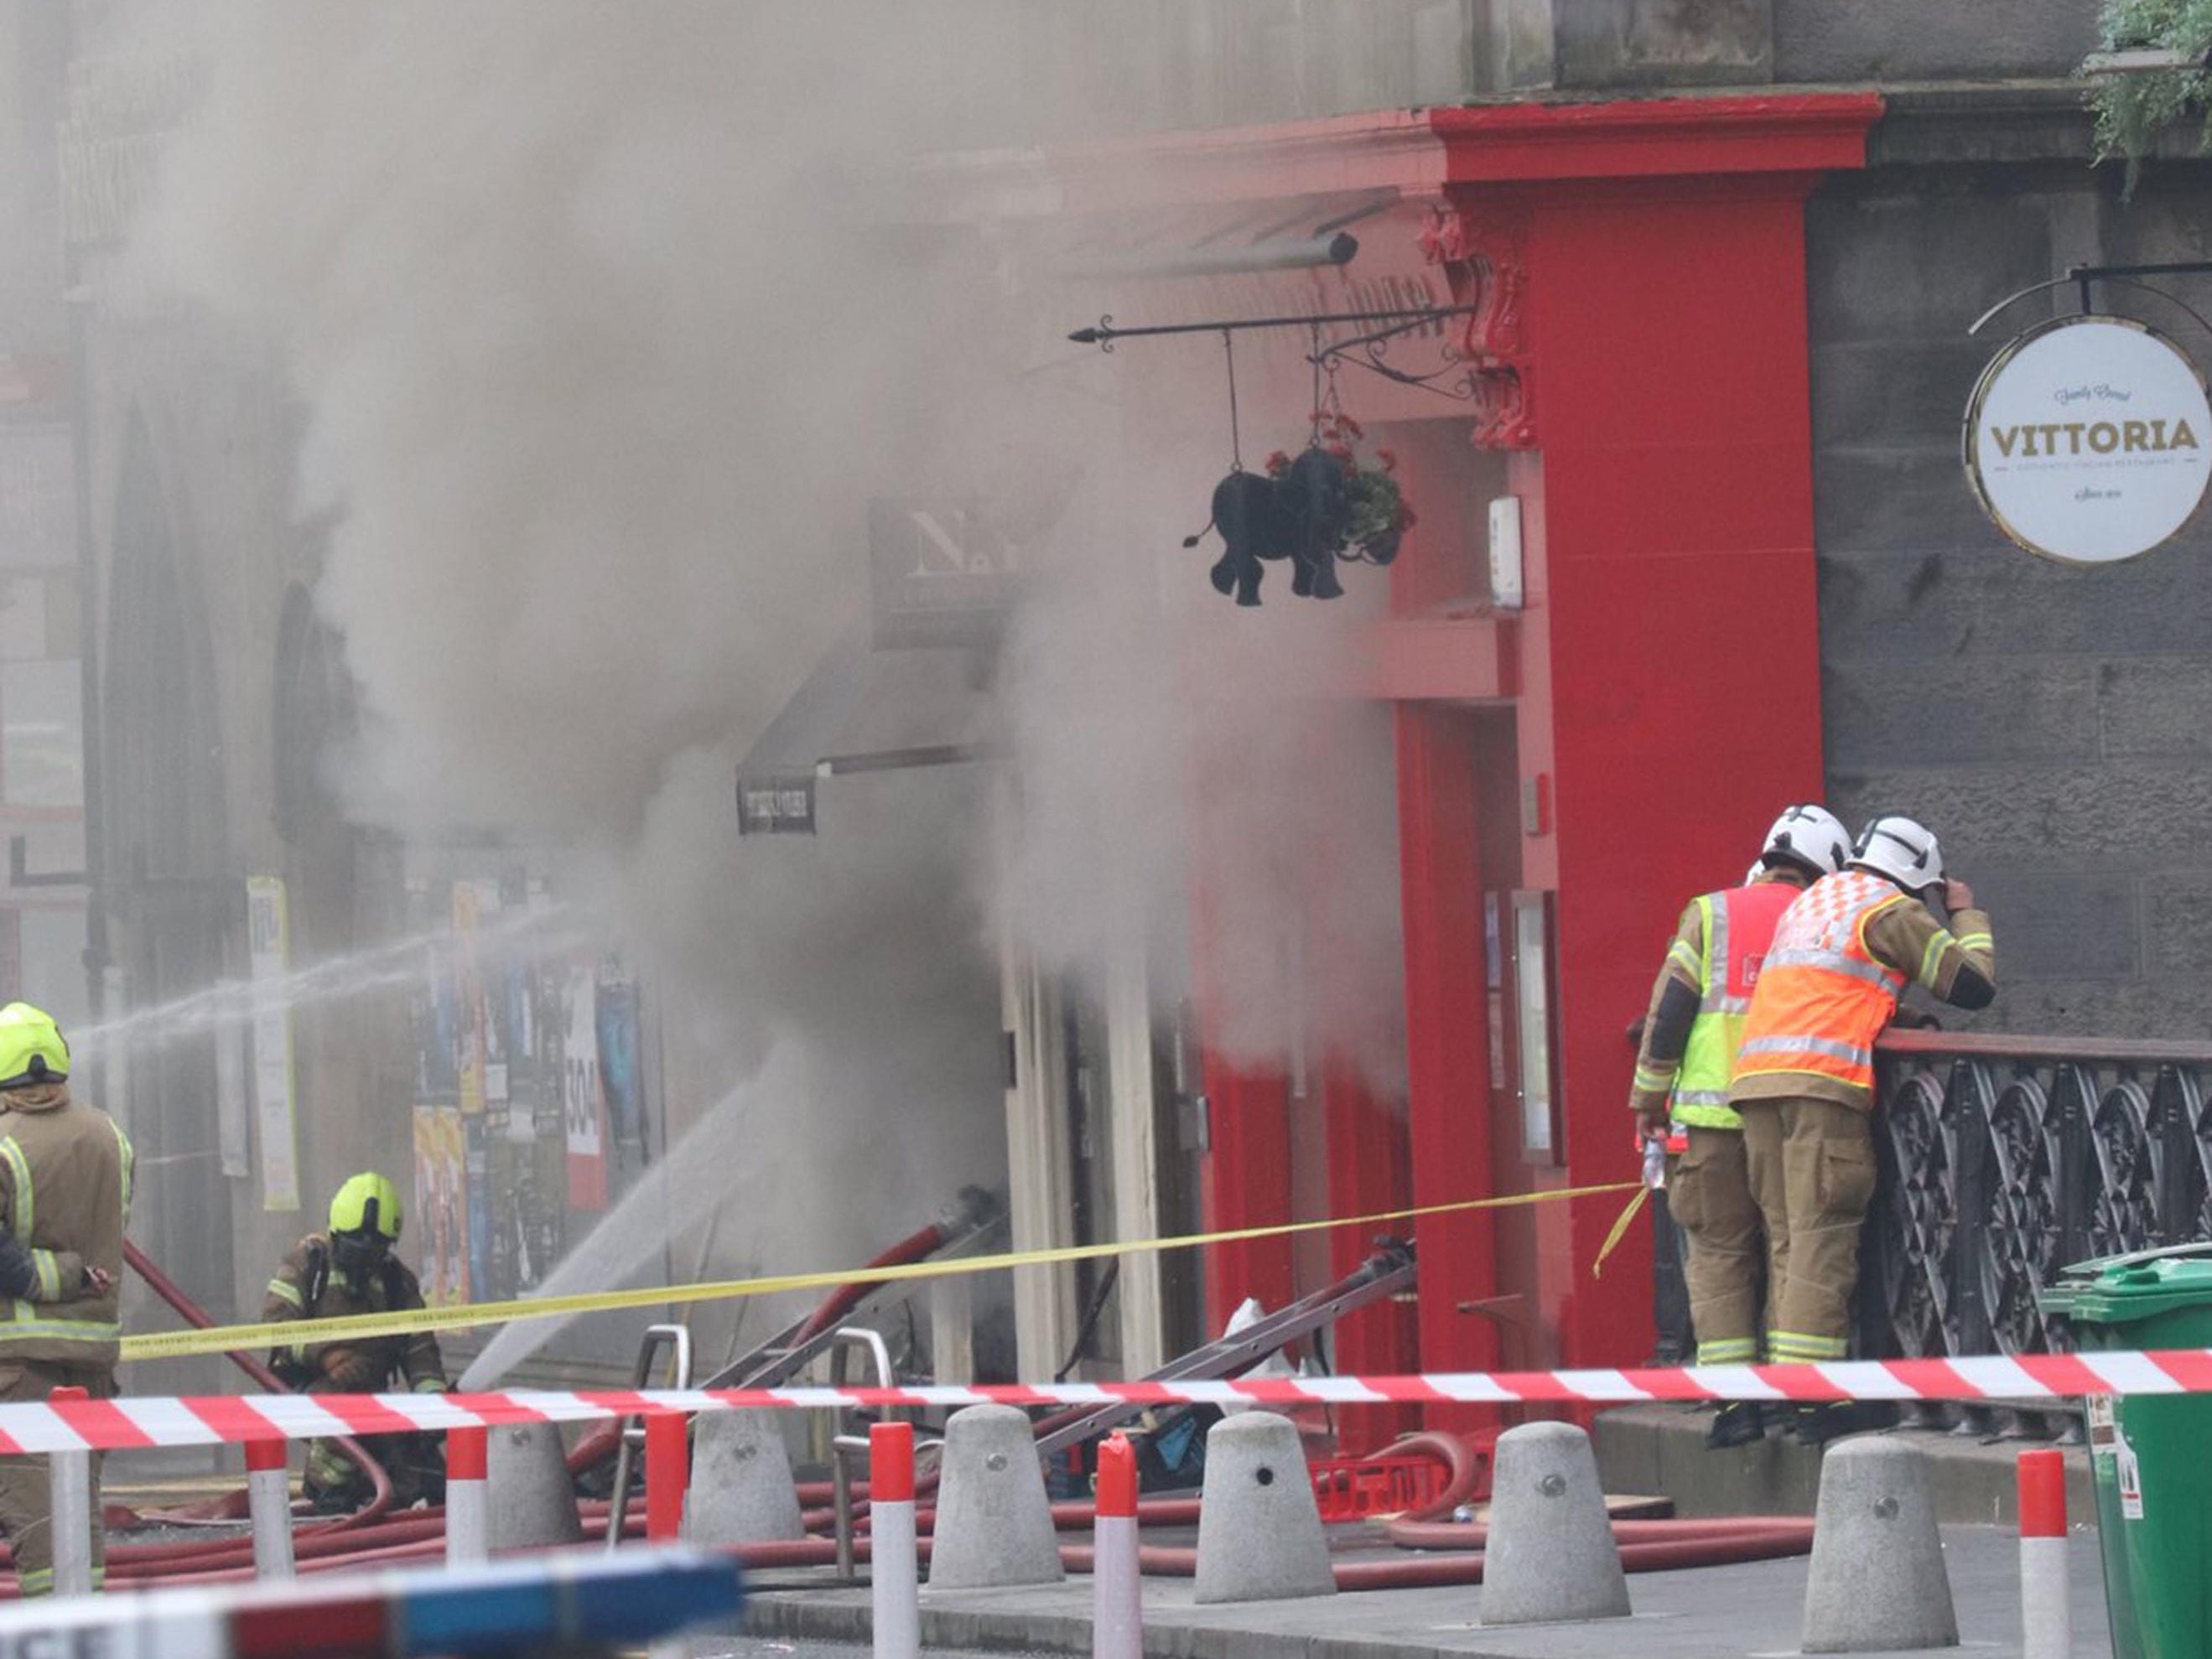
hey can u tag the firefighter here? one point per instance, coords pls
(1680, 1093)
(350, 1269)
(1844, 953)
(64, 1196)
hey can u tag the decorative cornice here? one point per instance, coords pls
(1414, 152)
(1481, 246)
(1655, 137)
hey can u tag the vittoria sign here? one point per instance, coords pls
(2087, 439)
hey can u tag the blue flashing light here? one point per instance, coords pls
(548, 1602)
(558, 1601)
(478, 1619)
(704, 1588)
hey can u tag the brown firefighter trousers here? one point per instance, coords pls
(1811, 1167)
(27, 1491)
(1709, 1191)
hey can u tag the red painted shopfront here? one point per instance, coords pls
(1579, 767)
(1567, 771)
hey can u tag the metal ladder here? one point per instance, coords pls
(1386, 1273)
(787, 1353)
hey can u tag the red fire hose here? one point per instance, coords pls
(170, 1291)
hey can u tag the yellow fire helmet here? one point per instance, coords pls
(31, 1047)
(365, 1202)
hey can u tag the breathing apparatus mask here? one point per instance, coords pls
(357, 1257)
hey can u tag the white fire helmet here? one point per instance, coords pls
(1901, 849)
(1811, 837)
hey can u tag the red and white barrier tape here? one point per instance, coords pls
(212, 1419)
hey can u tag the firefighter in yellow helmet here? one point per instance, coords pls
(65, 1196)
(350, 1269)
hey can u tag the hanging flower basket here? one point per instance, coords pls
(1375, 515)
(1315, 508)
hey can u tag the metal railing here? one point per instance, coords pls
(2004, 1159)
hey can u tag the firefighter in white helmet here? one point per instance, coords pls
(1844, 953)
(1681, 1094)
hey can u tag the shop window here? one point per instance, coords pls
(41, 734)
(314, 710)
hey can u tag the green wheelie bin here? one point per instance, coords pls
(2150, 1455)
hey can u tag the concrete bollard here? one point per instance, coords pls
(1877, 1582)
(1117, 1615)
(1551, 1557)
(993, 1525)
(268, 1503)
(468, 1505)
(533, 1502)
(667, 1474)
(893, 1597)
(2046, 1610)
(742, 1491)
(1259, 1529)
(69, 1476)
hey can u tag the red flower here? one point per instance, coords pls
(1388, 457)
(1407, 519)
(1279, 463)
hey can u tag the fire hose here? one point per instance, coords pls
(174, 1294)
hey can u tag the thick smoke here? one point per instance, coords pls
(602, 343)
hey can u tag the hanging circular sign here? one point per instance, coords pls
(2085, 439)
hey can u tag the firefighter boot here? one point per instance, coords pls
(1738, 1423)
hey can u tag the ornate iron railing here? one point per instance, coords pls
(2004, 1159)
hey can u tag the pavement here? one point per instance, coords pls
(1662, 1448)
(1749, 1612)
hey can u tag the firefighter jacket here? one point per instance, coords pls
(1687, 1056)
(1842, 954)
(65, 1196)
(307, 1286)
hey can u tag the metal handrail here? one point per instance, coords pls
(2007, 1158)
(845, 1448)
(678, 1339)
(2008, 1045)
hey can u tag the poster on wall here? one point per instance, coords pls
(453, 1202)
(583, 1101)
(268, 934)
(477, 1207)
(429, 1207)
(621, 1082)
(471, 1047)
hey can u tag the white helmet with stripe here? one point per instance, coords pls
(1904, 850)
(1811, 837)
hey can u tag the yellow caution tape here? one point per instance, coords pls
(294, 1333)
(1628, 1213)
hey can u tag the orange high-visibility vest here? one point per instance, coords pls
(1822, 998)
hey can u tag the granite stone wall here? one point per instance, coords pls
(2053, 724)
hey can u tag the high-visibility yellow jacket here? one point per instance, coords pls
(1687, 1057)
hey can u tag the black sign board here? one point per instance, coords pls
(941, 575)
(776, 805)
